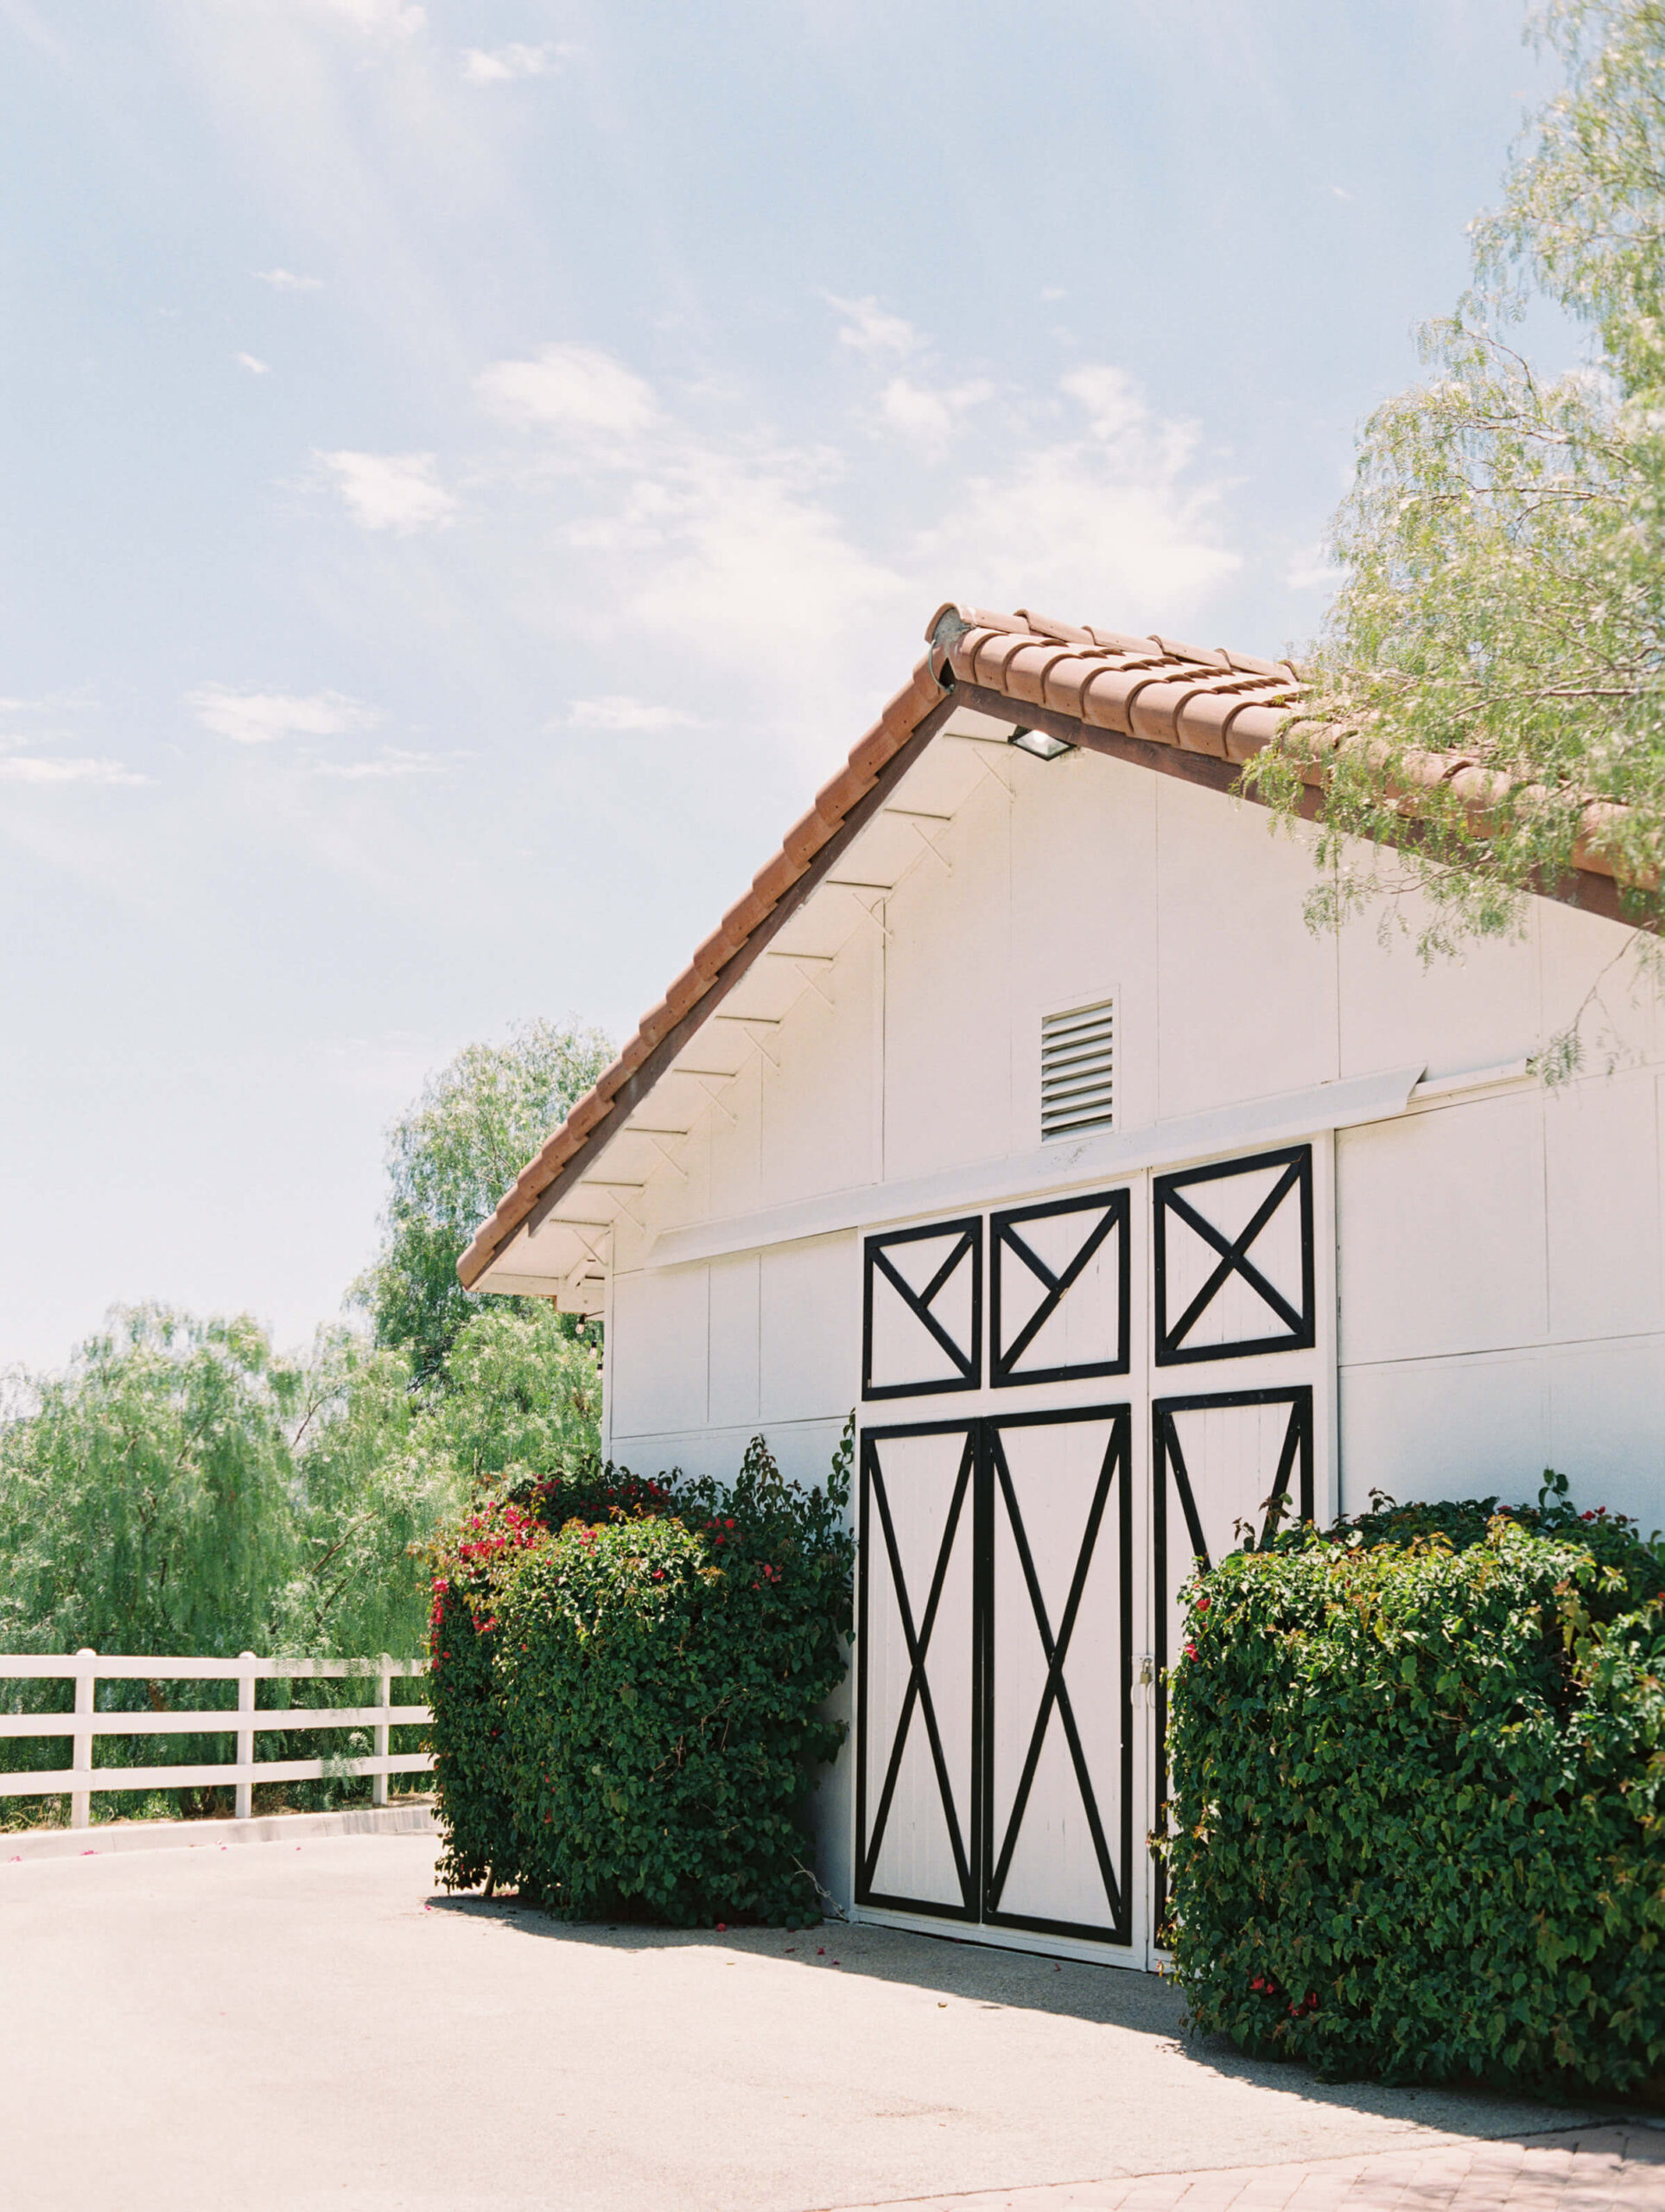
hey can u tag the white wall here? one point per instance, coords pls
(1500, 1269)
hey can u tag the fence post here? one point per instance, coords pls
(86, 1683)
(244, 1737)
(385, 1677)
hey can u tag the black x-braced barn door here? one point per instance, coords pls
(1234, 1290)
(994, 1781)
(1024, 1563)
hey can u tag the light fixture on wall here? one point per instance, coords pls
(1037, 742)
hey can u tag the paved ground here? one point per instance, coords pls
(1583, 2169)
(309, 2025)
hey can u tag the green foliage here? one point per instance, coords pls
(627, 1683)
(523, 1392)
(370, 1483)
(183, 1489)
(1417, 1772)
(450, 1159)
(1505, 597)
(145, 1505)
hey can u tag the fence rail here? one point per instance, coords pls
(83, 1781)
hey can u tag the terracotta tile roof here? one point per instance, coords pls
(1203, 706)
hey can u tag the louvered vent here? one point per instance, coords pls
(1077, 1070)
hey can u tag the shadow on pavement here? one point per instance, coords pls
(997, 1979)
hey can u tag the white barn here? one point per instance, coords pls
(1016, 1106)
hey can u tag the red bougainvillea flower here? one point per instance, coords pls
(1202, 1604)
(1191, 1651)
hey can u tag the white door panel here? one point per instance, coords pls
(916, 1782)
(1058, 1843)
(1022, 1562)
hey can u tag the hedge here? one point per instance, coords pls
(628, 1679)
(1416, 1805)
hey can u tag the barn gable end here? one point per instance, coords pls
(1458, 1280)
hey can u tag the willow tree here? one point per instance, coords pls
(147, 1493)
(450, 1159)
(1503, 544)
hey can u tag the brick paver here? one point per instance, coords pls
(1616, 2168)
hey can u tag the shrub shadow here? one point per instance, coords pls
(1105, 1996)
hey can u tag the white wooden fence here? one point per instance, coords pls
(87, 1669)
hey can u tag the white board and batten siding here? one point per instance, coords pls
(1435, 1277)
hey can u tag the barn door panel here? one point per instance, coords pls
(922, 1311)
(917, 1776)
(1233, 1258)
(1058, 1290)
(1228, 1466)
(1058, 1648)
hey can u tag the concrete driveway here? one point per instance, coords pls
(311, 2024)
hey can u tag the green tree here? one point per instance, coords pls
(450, 1159)
(146, 1501)
(1504, 542)
(364, 1494)
(524, 1391)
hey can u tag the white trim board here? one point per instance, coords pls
(1063, 1165)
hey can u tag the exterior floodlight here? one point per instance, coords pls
(1037, 742)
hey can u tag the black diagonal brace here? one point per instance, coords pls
(918, 1687)
(1056, 1692)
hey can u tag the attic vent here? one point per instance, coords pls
(1077, 1056)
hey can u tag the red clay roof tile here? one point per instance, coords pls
(1201, 699)
(773, 880)
(806, 837)
(1107, 701)
(1047, 626)
(1026, 670)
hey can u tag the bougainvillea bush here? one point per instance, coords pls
(1419, 1798)
(628, 1679)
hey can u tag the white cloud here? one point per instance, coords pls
(1312, 569)
(23, 768)
(497, 65)
(870, 331)
(749, 559)
(926, 415)
(382, 19)
(1110, 396)
(285, 280)
(618, 711)
(392, 491)
(255, 367)
(1110, 527)
(389, 762)
(258, 717)
(571, 388)
(738, 555)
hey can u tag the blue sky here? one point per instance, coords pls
(468, 473)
